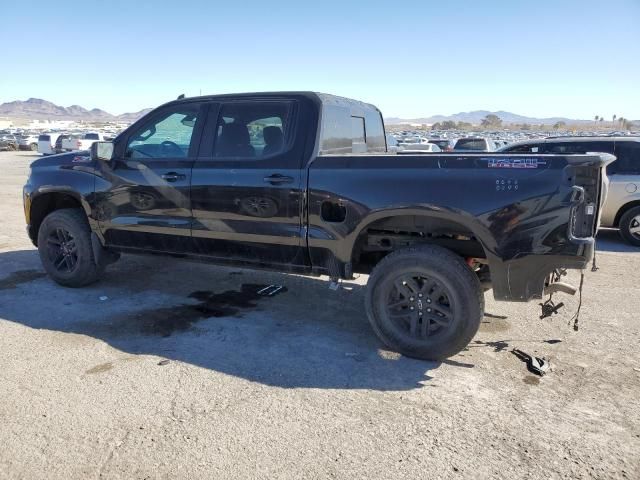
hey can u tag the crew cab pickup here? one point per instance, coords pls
(302, 182)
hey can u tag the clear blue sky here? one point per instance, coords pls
(411, 58)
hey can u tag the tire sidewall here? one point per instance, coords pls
(85, 268)
(625, 225)
(464, 293)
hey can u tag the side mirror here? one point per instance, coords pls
(102, 151)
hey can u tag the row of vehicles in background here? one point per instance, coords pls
(51, 143)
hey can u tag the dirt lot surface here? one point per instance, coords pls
(170, 369)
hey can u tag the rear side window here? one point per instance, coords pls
(375, 131)
(248, 130)
(582, 147)
(579, 147)
(628, 158)
(336, 130)
(524, 149)
(44, 138)
(471, 144)
(358, 135)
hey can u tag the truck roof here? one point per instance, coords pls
(316, 97)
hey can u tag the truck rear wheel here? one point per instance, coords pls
(424, 302)
(64, 244)
(630, 226)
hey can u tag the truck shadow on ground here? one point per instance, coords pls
(213, 317)
(609, 240)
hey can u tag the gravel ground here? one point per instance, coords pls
(138, 385)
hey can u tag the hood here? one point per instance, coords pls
(82, 157)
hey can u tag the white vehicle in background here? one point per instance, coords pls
(418, 144)
(82, 142)
(88, 139)
(47, 143)
(28, 142)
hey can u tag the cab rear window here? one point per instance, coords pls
(44, 138)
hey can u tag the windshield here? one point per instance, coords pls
(92, 136)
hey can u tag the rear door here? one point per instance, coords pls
(144, 199)
(247, 184)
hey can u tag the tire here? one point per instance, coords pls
(436, 313)
(64, 244)
(630, 226)
(34, 147)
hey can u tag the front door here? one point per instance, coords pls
(143, 201)
(246, 189)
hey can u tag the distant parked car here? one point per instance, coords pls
(445, 144)
(622, 208)
(46, 143)
(474, 144)
(8, 142)
(28, 142)
(392, 144)
(422, 147)
(87, 140)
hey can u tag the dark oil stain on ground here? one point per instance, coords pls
(498, 345)
(531, 380)
(496, 324)
(21, 276)
(168, 320)
(103, 367)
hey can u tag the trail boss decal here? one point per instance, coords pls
(514, 162)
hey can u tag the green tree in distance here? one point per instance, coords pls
(492, 121)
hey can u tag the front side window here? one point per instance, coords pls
(251, 130)
(167, 136)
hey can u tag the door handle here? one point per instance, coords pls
(173, 176)
(277, 179)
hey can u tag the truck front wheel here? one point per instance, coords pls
(424, 302)
(64, 244)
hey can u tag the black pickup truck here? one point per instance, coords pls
(302, 182)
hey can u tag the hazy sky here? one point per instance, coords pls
(411, 58)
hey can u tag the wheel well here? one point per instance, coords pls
(626, 207)
(386, 235)
(46, 203)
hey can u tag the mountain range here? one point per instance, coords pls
(476, 116)
(38, 109)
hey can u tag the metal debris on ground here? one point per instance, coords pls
(164, 362)
(549, 308)
(271, 290)
(537, 365)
